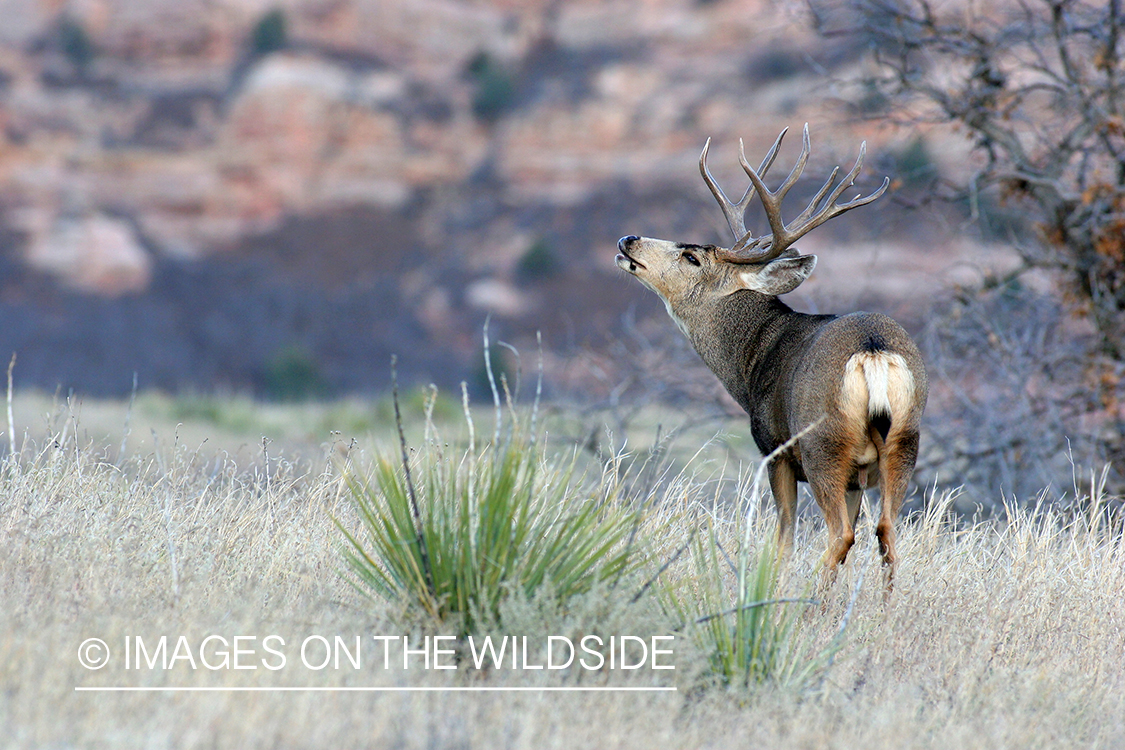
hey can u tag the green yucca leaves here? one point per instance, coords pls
(493, 524)
(751, 637)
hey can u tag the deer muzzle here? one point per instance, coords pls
(625, 261)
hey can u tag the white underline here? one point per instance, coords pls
(113, 689)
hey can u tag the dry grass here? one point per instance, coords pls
(1005, 634)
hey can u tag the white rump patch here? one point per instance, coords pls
(877, 383)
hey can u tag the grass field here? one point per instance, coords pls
(1006, 633)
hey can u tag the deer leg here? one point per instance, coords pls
(895, 468)
(830, 496)
(783, 484)
(854, 499)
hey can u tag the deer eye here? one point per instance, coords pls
(690, 258)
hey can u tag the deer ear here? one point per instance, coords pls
(780, 275)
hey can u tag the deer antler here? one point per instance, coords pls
(823, 206)
(736, 213)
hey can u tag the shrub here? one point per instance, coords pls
(76, 44)
(505, 374)
(914, 166)
(539, 261)
(776, 63)
(270, 34)
(495, 87)
(293, 375)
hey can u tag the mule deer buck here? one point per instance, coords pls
(860, 375)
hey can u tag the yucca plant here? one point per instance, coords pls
(483, 526)
(751, 637)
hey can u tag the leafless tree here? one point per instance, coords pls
(1038, 86)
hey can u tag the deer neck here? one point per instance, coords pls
(742, 338)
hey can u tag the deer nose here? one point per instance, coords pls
(624, 242)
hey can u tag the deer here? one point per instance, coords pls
(839, 398)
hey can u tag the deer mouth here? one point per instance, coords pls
(627, 262)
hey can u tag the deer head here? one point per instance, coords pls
(686, 275)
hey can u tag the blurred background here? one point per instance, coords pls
(270, 199)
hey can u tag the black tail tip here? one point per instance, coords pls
(882, 424)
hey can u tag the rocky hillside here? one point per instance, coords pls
(276, 197)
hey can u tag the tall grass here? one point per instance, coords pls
(1002, 633)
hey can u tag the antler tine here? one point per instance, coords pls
(811, 218)
(816, 199)
(771, 202)
(770, 155)
(798, 168)
(735, 213)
